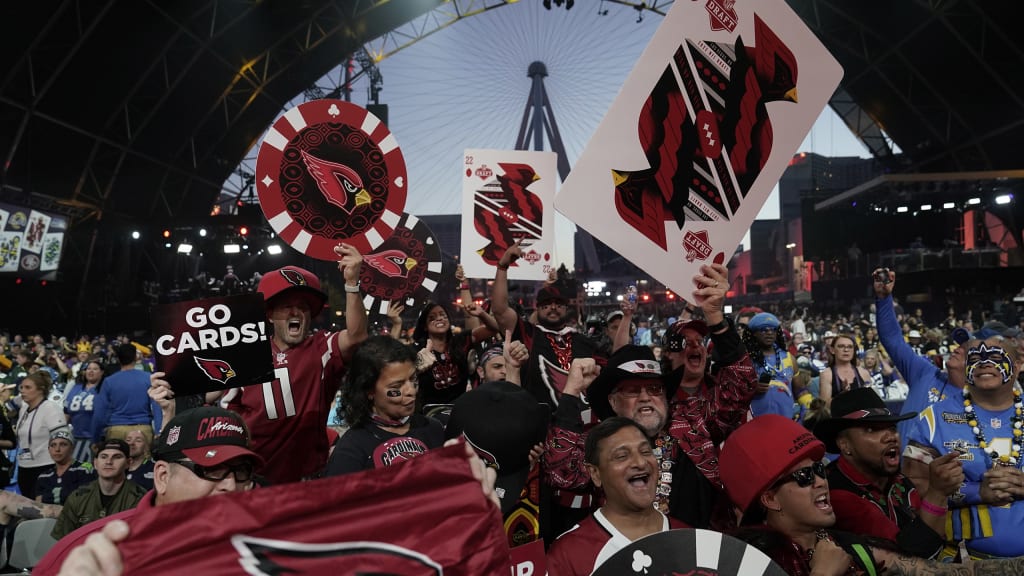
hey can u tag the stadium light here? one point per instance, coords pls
(232, 248)
(926, 206)
(901, 209)
(949, 205)
(202, 232)
(184, 248)
(1004, 199)
(974, 201)
(274, 249)
(135, 234)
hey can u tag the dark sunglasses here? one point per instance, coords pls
(804, 477)
(242, 471)
(654, 388)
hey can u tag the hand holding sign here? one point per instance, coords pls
(350, 264)
(425, 357)
(212, 344)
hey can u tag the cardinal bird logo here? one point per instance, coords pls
(554, 378)
(391, 263)
(265, 557)
(505, 211)
(339, 184)
(293, 277)
(703, 163)
(216, 370)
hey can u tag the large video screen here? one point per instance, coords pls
(31, 241)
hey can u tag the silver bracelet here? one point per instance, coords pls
(352, 289)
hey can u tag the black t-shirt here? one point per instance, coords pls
(370, 446)
(446, 379)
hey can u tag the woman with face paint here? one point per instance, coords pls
(379, 396)
(985, 427)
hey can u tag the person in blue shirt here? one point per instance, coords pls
(78, 405)
(984, 424)
(123, 403)
(774, 364)
(927, 384)
(58, 481)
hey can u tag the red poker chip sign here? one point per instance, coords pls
(406, 268)
(328, 172)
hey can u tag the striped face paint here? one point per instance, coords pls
(983, 355)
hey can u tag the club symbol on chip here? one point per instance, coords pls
(641, 561)
(333, 111)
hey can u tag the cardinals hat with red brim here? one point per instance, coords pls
(208, 436)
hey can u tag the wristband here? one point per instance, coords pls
(502, 266)
(932, 509)
(464, 286)
(352, 289)
(714, 328)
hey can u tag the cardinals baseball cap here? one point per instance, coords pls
(281, 280)
(208, 436)
(760, 452)
(502, 421)
(628, 363)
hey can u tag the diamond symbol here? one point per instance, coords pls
(267, 180)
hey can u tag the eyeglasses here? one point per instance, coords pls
(804, 477)
(633, 390)
(242, 471)
(843, 346)
(552, 305)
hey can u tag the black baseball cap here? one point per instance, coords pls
(502, 421)
(208, 436)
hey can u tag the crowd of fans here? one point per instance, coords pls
(849, 440)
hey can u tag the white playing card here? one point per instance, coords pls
(507, 197)
(700, 133)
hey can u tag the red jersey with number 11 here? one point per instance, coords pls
(288, 415)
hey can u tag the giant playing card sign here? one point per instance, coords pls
(328, 172)
(699, 135)
(213, 344)
(509, 194)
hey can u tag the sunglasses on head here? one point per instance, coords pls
(804, 477)
(242, 471)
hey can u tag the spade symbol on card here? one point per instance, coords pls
(641, 561)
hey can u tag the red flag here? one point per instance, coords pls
(423, 517)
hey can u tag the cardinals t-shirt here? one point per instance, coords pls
(423, 517)
(372, 447)
(583, 549)
(287, 417)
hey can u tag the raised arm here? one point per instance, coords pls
(486, 325)
(516, 355)
(907, 362)
(622, 334)
(350, 263)
(472, 323)
(505, 316)
(395, 310)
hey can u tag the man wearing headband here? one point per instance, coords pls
(984, 425)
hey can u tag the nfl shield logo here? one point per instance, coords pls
(172, 435)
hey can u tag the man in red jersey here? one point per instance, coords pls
(286, 416)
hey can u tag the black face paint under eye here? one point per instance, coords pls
(393, 393)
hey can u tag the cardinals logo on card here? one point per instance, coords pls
(391, 263)
(217, 370)
(702, 163)
(264, 557)
(505, 211)
(339, 184)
